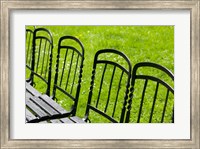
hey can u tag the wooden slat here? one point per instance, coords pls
(30, 116)
(66, 120)
(55, 121)
(44, 122)
(35, 108)
(45, 106)
(63, 120)
(77, 119)
(53, 104)
(32, 90)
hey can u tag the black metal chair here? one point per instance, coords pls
(151, 96)
(42, 59)
(68, 74)
(29, 44)
(109, 88)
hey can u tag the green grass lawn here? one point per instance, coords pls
(139, 43)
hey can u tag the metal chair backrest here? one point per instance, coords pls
(151, 96)
(69, 67)
(29, 45)
(109, 86)
(42, 58)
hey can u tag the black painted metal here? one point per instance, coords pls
(42, 56)
(124, 72)
(159, 81)
(154, 101)
(63, 74)
(29, 41)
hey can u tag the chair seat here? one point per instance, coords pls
(42, 107)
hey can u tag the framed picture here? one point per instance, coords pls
(182, 16)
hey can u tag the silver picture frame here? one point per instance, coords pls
(5, 84)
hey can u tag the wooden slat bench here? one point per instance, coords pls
(41, 108)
